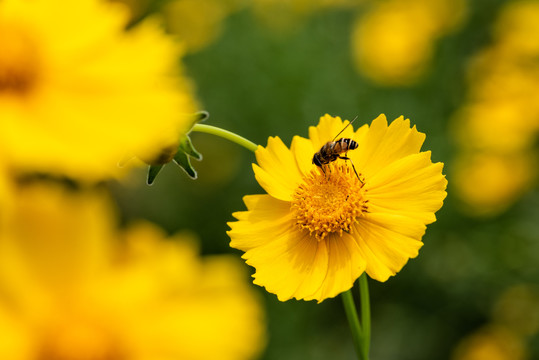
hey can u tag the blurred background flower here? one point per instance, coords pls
(75, 287)
(393, 41)
(491, 343)
(497, 128)
(198, 22)
(77, 91)
(287, 15)
(514, 320)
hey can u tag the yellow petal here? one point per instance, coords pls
(386, 249)
(346, 264)
(289, 262)
(327, 129)
(266, 215)
(413, 186)
(277, 171)
(294, 265)
(303, 151)
(382, 144)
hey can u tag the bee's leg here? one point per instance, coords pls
(326, 173)
(353, 167)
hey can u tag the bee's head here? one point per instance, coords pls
(316, 160)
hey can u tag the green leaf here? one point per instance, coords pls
(152, 173)
(187, 147)
(183, 161)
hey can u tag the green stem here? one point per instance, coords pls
(208, 129)
(365, 312)
(353, 321)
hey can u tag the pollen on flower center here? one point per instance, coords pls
(329, 203)
(19, 61)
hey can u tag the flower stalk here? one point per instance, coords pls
(225, 134)
(365, 312)
(361, 333)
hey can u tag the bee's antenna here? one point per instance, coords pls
(340, 132)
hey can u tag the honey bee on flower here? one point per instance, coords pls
(312, 235)
(333, 150)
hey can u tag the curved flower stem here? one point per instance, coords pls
(353, 321)
(365, 312)
(208, 129)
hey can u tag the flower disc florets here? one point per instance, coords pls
(329, 202)
(19, 61)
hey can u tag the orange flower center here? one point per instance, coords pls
(80, 339)
(19, 61)
(329, 203)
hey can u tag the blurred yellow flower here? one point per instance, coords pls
(491, 343)
(4, 181)
(283, 15)
(198, 22)
(316, 232)
(70, 290)
(488, 182)
(497, 127)
(77, 91)
(517, 28)
(393, 42)
(518, 309)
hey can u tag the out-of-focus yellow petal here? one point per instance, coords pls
(78, 91)
(393, 41)
(73, 283)
(491, 343)
(488, 183)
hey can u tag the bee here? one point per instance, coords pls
(334, 149)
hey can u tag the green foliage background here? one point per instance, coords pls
(259, 83)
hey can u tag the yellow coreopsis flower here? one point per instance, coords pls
(78, 91)
(393, 42)
(488, 182)
(284, 15)
(498, 126)
(491, 343)
(71, 290)
(198, 22)
(318, 229)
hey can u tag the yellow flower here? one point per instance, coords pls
(517, 308)
(491, 343)
(198, 22)
(516, 28)
(316, 232)
(5, 188)
(77, 91)
(489, 182)
(497, 127)
(285, 15)
(75, 288)
(393, 42)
